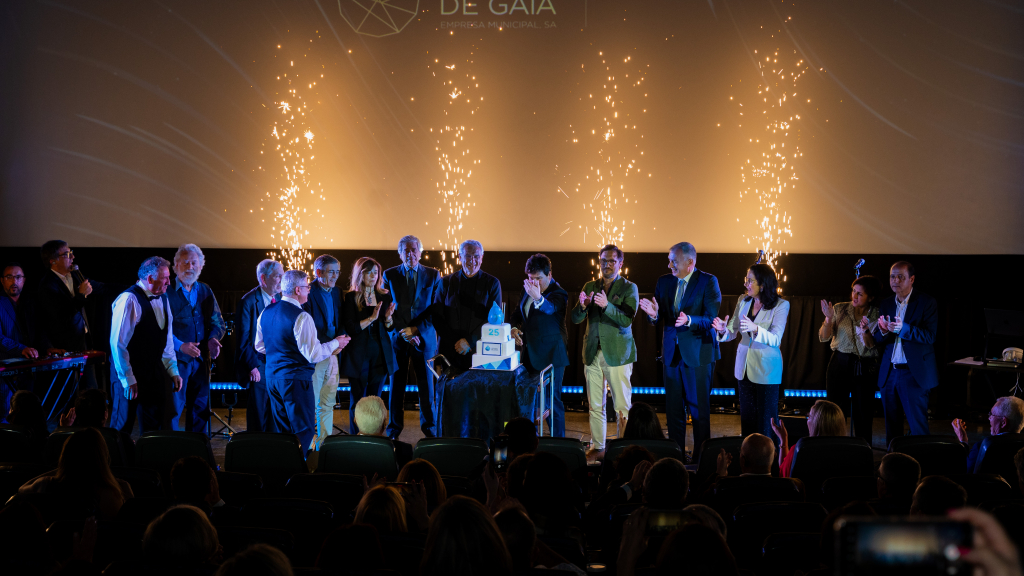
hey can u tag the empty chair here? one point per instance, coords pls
(16, 444)
(841, 490)
(937, 455)
(787, 552)
(707, 457)
(732, 491)
(820, 458)
(995, 456)
(452, 456)
(237, 488)
(570, 450)
(342, 491)
(359, 455)
(752, 523)
(982, 487)
(160, 449)
(145, 483)
(274, 457)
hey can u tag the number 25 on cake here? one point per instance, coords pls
(496, 350)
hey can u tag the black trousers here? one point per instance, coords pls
(406, 354)
(850, 383)
(759, 403)
(258, 415)
(153, 404)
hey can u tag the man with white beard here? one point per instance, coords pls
(197, 329)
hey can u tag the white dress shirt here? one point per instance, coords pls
(66, 279)
(267, 298)
(305, 336)
(898, 357)
(685, 282)
(127, 313)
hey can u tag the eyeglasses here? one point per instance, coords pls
(990, 414)
(67, 254)
(10, 277)
(749, 282)
(608, 262)
(306, 286)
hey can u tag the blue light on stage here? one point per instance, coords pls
(226, 386)
(723, 391)
(572, 389)
(804, 393)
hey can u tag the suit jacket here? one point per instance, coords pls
(972, 457)
(428, 281)
(249, 309)
(920, 323)
(611, 327)
(455, 319)
(355, 359)
(544, 333)
(758, 358)
(62, 318)
(314, 306)
(695, 344)
(12, 341)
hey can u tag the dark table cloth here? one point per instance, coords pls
(478, 403)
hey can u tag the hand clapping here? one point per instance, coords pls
(719, 324)
(650, 307)
(747, 325)
(601, 299)
(586, 299)
(828, 309)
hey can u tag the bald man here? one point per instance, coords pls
(756, 456)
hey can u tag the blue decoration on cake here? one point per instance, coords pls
(495, 316)
(496, 350)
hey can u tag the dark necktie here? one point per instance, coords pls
(410, 281)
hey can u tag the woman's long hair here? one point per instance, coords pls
(826, 419)
(423, 471)
(769, 284)
(84, 466)
(464, 541)
(355, 284)
(383, 508)
(643, 423)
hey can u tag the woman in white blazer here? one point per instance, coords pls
(759, 320)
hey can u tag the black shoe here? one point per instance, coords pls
(428, 433)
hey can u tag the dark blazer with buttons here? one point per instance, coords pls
(61, 316)
(920, 324)
(248, 313)
(696, 344)
(314, 306)
(355, 362)
(428, 281)
(544, 332)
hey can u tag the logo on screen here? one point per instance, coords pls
(378, 18)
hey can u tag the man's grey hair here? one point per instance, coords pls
(266, 268)
(1011, 408)
(291, 279)
(479, 247)
(184, 250)
(323, 261)
(371, 415)
(151, 265)
(406, 239)
(685, 249)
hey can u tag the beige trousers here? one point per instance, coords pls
(325, 391)
(598, 373)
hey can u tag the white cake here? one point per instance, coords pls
(496, 350)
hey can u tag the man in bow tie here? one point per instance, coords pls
(142, 352)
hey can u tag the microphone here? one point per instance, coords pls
(77, 274)
(760, 256)
(856, 267)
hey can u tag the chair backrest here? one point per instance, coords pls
(937, 455)
(145, 483)
(707, 459)
(982, 487)
(733, 491)
(570, 450)
(342, 491)
(452, 456)
(55, 444)
(16, 444)
(841, 490)
(660, 448)
(309, 521)
(237, 488)
(274, 457)
(234, 539)
(787, 552)
(817, 459)
(14, 474)
(359, 455)
(159, 450)
(995, 456)
(753, 523)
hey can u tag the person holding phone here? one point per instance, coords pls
(853, 369)
(370, 358)
(759, 320)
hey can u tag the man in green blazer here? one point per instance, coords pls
(608, 305)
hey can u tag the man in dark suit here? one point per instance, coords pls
(18, 334)
(461, 303)
(687, 300)
(1005, 418)
(907, 323)
(250, 364)
(414, 339)
(539, 327)
(324, 305)
(198, 329)
(60, 304)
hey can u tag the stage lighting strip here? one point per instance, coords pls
(790, 393)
